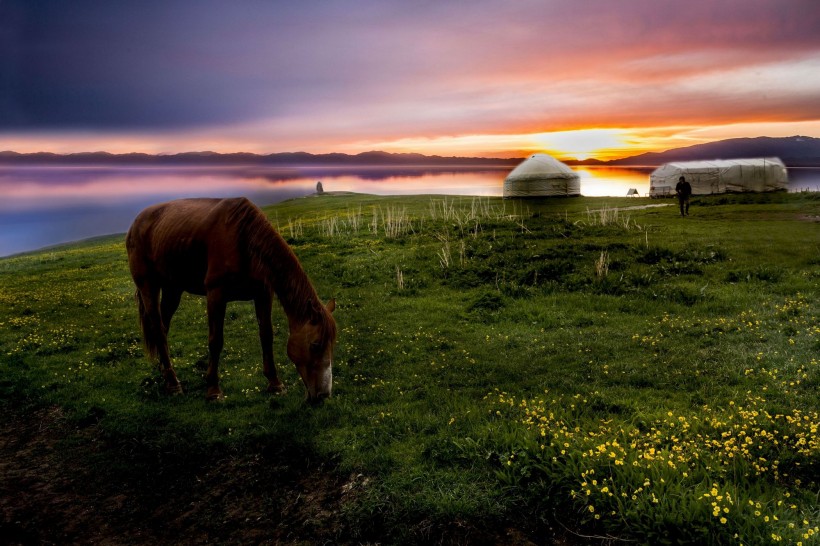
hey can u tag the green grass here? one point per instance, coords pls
(626, 373)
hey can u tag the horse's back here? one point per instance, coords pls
(187, 219)
(184, 241)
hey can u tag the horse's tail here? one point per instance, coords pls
(149, 328)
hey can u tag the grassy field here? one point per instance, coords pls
(555, 367)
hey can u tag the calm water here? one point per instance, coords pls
(43, 206)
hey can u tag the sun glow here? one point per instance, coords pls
(603, 144)
(582, 144)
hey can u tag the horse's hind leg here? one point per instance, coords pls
(168, 306)
(156, 334)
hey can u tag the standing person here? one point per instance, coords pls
(683, 191)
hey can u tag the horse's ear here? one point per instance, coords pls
(331, 305)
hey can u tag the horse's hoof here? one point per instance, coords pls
(173, 390)
(276, 389)
(216, 396)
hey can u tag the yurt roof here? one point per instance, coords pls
(721, 164)
(539, 166)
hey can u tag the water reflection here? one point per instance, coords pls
(68, 187)
(49, 205)
(43, 206)
(615, 181)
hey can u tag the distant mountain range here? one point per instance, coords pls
(279, 159)
(795, 151)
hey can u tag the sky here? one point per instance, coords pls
(577, 79)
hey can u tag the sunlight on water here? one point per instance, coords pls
(482, 183)
(605, 181)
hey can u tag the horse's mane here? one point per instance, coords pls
(273, 261)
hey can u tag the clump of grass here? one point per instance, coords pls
(374, 221)
(395, 221)
(444, 258)
(764, 274)
(329, 227)
(487, 301)
(354, 219)
(442, 209)
(295, 228)
(602, 265)
(342, 225)
(610, 216)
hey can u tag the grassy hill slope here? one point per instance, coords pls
(505, 370)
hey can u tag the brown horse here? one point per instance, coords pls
(226, 250)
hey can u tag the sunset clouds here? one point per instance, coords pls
(465, 78)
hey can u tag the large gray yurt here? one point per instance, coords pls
(541, 175)
(759, 174)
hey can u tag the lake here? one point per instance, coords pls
(43, 206)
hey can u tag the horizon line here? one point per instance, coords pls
(203, 154)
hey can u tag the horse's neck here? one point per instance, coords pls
(291, 285)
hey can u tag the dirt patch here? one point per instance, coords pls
(39, 499)
(809, 218)
(51, 492)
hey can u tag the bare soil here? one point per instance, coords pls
(50, 493)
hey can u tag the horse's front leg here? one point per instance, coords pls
(263, 306)
(216, 323)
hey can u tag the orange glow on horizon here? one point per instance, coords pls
(580, 144)
(583, 143)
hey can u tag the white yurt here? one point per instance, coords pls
(541, 175)
(721, 176)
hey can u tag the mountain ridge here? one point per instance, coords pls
(795, 151)
(372, 158)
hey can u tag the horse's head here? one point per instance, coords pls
(310, 347)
